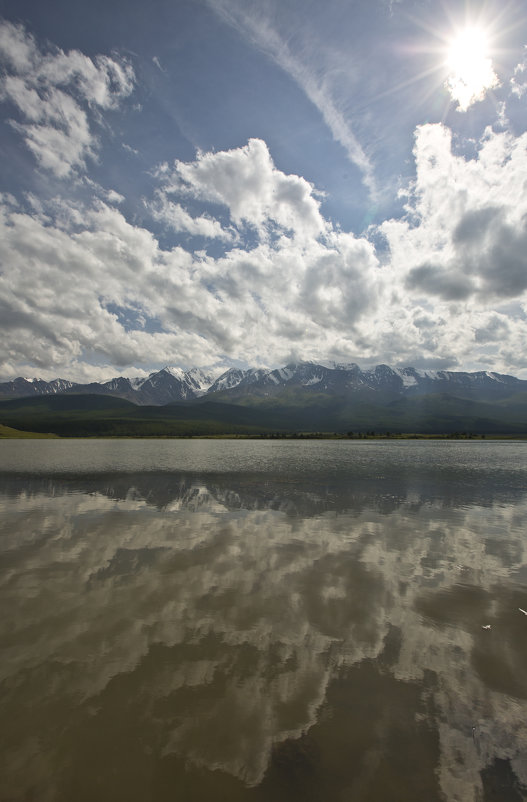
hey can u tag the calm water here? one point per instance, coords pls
(267, 621)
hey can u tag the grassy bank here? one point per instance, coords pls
(7, 432)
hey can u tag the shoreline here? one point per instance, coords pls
(9, 433)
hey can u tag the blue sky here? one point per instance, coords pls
(248, 183)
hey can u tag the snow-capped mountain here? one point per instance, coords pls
(382, 382)
(199, 380)
(165, 386)
(21, 387)
(161, 387)
(234, 377)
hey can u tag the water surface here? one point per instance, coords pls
(245, 620)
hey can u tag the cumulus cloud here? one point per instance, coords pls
(256, 193)
(86, 284)
(300, 286)
(465, 234)
(492, 328)
(55, 94)
(55, 296)
(458, 257)
(434, 280)
(340, 281)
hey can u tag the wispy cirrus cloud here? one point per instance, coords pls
(300, 64)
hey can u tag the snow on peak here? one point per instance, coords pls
(494, 376)
(177, 373)
(346, 366)
(407, 376)
(231, 378)
(286, 373)
(200, 379)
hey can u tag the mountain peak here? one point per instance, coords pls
(176, 373)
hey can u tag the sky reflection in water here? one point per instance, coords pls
(310, 628)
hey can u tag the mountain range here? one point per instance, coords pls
(301, 396)
(171, 385)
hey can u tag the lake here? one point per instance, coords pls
(263, 620)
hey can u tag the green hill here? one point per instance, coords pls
(94, 415)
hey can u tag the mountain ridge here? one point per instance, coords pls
(305, 378)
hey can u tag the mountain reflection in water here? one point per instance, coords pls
(264, 636)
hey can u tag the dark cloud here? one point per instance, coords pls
(473, 226)
(435, 280)
(496, 329)
(492, 249)
(504, 266)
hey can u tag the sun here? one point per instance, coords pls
(468, 53)
(470, 73)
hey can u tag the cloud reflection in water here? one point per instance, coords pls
(169, 626)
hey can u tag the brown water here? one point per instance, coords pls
(268, 621)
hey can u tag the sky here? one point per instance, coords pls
(222, 183)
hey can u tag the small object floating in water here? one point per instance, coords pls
(486, 626)
(522, 611)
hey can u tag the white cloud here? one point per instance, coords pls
(71, 266)
(247, 182)
(109, 195)
(114, 197)
(17, 47)
(519, 79)
(54, 93)
(54, 297)
(341, 282)
(130, 149)
(178, 219)
(62, 139)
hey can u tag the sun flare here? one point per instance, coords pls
(469, 66)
